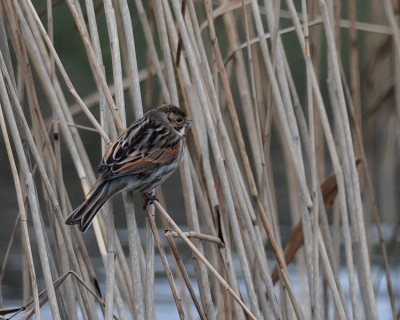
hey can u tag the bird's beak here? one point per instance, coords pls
(188, 122)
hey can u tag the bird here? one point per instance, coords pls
(146, 154)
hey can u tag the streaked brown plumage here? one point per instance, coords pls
(141, 159)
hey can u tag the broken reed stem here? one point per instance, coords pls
(202, 258)
(200, 236)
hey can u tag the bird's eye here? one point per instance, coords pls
(178, 120)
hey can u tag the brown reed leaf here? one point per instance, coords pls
(329, 190)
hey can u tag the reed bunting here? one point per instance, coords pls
(141, 159)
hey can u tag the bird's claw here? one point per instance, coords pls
(148, 199)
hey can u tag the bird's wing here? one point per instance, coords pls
(142, 148)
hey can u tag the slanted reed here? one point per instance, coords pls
(292, 126)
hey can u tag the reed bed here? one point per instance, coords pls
(295, 108)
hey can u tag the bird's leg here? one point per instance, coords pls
(148, 198)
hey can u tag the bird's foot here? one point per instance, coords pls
(148, 199)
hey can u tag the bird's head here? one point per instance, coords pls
(176, 118)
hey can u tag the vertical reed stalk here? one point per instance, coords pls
(269, 121)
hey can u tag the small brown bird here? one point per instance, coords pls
(141, 159)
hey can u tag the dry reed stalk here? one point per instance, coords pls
(354, 60)
(353, 187)
(31, 192)
(207, 169)
(389, 10)
(295, 211)
(245, 160)
(215, 147)
(93, 99)
(194, 224)
(181, 266)
(204, 260)
(242, 83)
(280, 91)
(163, 256)
(116, 61)
(152, 49)
(314, 211)
(267, 98)
(186, 302)
(339, 304)
(57, 284)
(110, 262)
(338, 170)
(149, 299)
(118, 271)
(191, 212)
(120, 105)
(293, 146)
(63, 72)
(52, 95)
(44, 177)
(21, 219)
(124, 275)
(200, 236)
(136, 256)
(39, 131)
(162, 30)
(95, 64)
(132, 66)
(343, 23)
(228, 150)
(289, 287)
(374, 208)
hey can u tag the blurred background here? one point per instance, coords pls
(370, 72)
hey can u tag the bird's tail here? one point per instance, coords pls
(85, 213)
